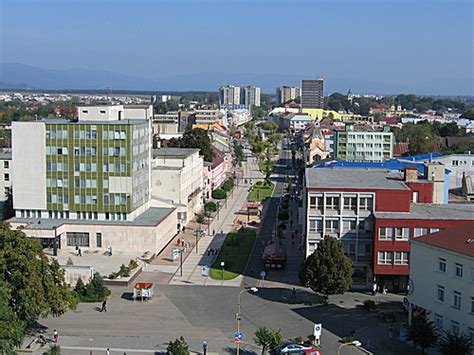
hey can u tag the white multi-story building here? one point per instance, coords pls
(442, 278)
(178, 179)
(5, 179)
(207, 116)
(229, 95)
(287, 93)
(251, 95)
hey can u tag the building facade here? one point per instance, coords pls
(229, 95)
(442, 279)
(251, 95)
(287, 93)
(312, 93)
(6, 181)
(177, 178)
(353, 145)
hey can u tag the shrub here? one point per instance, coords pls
(94, 291)
(259, 183)
(132, 264)
(228, 185)
(210, 207)
(178, 347)
(54, 350)
(369, 305)
(219, 194)
(283, 216)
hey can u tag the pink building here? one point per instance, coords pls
(214, 173)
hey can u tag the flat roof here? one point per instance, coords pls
(459, 239)
(456, 211)
(150, 218)
(343, 178)
(92, 122)
(174, 152)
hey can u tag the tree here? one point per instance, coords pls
(228, 185)
(219, 194)
(469, 114)
(452, 344)
(422, 332)
(263, 338)
(94, 291)
(269, 126)
(210, 207)
(200, 218)
(195, 138)
(178, 347)
(327, 271)
(257, 112)
(36, 285)
(11, 328)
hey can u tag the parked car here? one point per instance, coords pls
(295, 348)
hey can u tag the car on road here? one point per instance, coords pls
(295, 348)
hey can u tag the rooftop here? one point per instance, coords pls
(174, 152)
(459, 239)
(453, 211)
(343, 178)
(92, 122)
(152, 217)
(392, 165)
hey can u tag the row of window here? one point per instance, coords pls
(403, 233)
(458, 268)
(387, 258)
(333, 225)
(369, 136)
(455, 326)
(456, 298)
(53, 198)
(333, 203)
(365, 145)
(117, 200)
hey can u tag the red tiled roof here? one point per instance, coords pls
(459, 239)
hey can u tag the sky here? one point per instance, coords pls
(414, 44)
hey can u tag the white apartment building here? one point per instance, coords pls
(177, 179)
(442, 278)
(251, 95)
(287, 93)
(229, 95)
(5, 178)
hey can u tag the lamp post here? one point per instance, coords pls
(197, 240)
(222, 266)
(351, 343)
(181, 261)
(218, 209)
(237, 316)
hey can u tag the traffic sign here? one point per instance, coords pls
(263, 274)
(175, 253)
(237, 337)
(318, 328)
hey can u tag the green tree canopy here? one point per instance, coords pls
(452, 344)
(327, 271)
(422, 332)
(36, 283)
(177, 347)
(11, 328)
(195, 138)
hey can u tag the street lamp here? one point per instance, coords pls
(252, 289)
(222, 266)
(218, 209)
(351, 343)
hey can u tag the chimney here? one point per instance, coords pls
(411, 173)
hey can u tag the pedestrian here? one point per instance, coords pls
(208, 252)
(110, 250)
(204, 347)
(293, 293)
(179, 242)
(184, 229)
(79, 252)
(104, 306)
(213, 232)
(390, 332)
(55, 336)
(107, 352)
(374, 289)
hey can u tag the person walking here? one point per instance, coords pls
(55, 336)
(213, 232)
(204, 347)
(107, 352)
(79, 252)
(104, 306)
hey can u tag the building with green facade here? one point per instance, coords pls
(355, 145)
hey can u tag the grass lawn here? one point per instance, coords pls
(234, 252)
(260, 193)
(261, 166)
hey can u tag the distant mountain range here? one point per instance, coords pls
(22, 76)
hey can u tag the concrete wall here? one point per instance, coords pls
(29, 165)
(101, 113)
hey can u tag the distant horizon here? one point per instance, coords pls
(389, 46)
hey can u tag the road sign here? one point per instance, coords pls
(175, 253)
(263, 274)
(204, 270)
(237, 337)
(318, 328)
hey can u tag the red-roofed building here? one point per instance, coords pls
(442, 278)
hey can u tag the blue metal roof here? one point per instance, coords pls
(419, 157)
(392, 165)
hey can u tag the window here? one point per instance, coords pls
(439, 321)
(458, 271)
(455, 327)
(440, 293)
(434, 230)
(350, 203)
(349, 226)
(77, 238)
(332, 226)
(365, 203)
(98, 239)
(315, 225)
(332, 203)
(457, 299)
(315, 202)
(385, 233)
(401, 258)
(402, 233)
(6, 177)
(442, 264)
(455, 163)
(421, 231)
(6, 164)
(385, 257)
